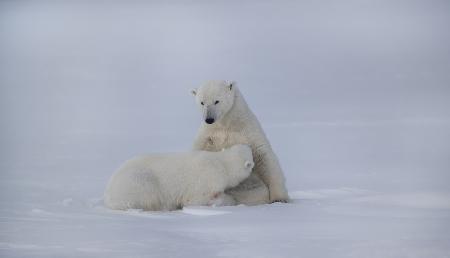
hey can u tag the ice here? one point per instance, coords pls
(353, 95)
(202, 211)
(425, 200)
(327, 193)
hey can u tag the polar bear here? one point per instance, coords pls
(171, 181)
(229, 121)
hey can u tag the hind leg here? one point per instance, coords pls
(252, 191)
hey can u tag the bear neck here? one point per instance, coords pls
(238, 113)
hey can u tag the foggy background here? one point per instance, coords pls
(350, 93)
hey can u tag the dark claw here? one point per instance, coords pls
(282, 201)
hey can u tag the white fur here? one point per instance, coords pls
(234, 123)
(171, 181)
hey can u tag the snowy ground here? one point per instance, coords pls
(345, 222)
(354, 96)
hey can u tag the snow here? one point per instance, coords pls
(330, 222)
(202, 212)
(353, 96)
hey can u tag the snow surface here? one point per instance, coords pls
(354, 96)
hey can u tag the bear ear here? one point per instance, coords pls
(249, 164)
(231, 84)
(194, 92)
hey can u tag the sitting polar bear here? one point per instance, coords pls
(171, 181)
(228, 121)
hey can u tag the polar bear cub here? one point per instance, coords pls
(171, 181)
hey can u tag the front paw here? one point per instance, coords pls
(280, 196)
(282, 201)
(222, 199)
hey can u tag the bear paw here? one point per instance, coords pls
(279, 196)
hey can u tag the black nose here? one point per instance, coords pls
(209, 120)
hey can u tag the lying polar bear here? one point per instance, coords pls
(171, 181)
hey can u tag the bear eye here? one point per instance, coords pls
(202, 103)
(217, 102)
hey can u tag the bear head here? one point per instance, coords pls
(215, 99)
(240, 162)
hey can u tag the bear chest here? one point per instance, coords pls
(218, 140)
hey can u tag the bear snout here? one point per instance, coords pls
(209, 120)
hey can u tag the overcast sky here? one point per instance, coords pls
(358, 86)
